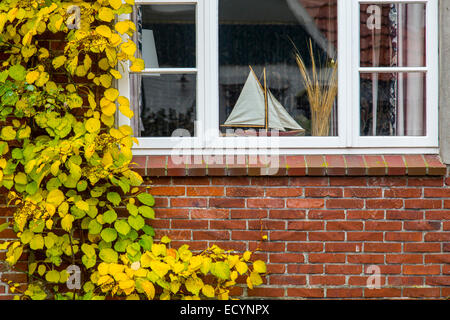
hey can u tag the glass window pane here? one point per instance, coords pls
(393, 104)
(167, 104)
(167, 34)
(393, 35)
(265, 35)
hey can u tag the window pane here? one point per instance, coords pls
(167, 35)
(264, 35)
(393, 104)
(167, 104)
(393, 35)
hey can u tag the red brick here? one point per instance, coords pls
(247, 235)
(403, 236)
(438, 281)
(345, 204)
(230, 181)
(287, 280)
(389, 181)
(421, 292)
(265, 203)
(287, 214)
(309, 181)
(176, 167)
(405, 281)
(335, 165)
(437, 236)
(362, 280)
(382, 247)
(326, 236)
(365, 258)
(326, 280)
(156, 165)
(228, 224)
(375, 165)
(382, 293)
(365, 214)
(266, 292)
(435, 165)
(305, 292)
(384, 204)
(326, 258)
(305, 247)
(205, 191)
(345, 293)
(305, 268)
(326, 214)
(284, 192)
(423, 204)
(270, 181)
(342, 247)
(226, 203)
(383, 225)
(189, 224)
(404, 215)
(437, 193)
(345, 225)
(245, 192)
(437, 214)
(286, 258)
(362, 192)
(323, 192)
(403, 193)
(287, 236)
(266, 225)
(172, 213)
(437, 258)
(316, 165)
(188, 202)
(348, 181)
(395, 165)
(305, 203)
(404, 258)
(296, 165)
(343, 269)
(422, 225)
(364, 236)
(355, 165)
(210, 235)
(248, 214)
(210, 214)
(425, 182)
(416, 165)
(422, 247)
(305, 225)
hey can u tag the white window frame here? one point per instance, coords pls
(348, 141)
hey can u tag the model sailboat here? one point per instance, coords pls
(258, 108)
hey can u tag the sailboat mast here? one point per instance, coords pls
(266, 126)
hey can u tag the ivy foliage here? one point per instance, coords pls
(68, 168)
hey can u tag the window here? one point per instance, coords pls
(227, 74)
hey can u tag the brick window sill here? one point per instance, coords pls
(298, 165)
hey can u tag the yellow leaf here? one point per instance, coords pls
(208, 291)
(109, 109)
(87, 63)
(104, 31)
(126, 284)
(82, 205)
(105, 80)
(43, 79)
(115, 268)
(116, 74)
(249, 283)
(116, 4)
(66, 222)
(138, 65)
(194, 285)
(92, 125)
(122, 27)
(148, 288)
(49, 224)
(126, 111)
(247, 255)
(259, 266)
(59, 61)
(241, 267)
(111, 94)
(103, 64)
(106, 14)
(129, 47)
(55, 197)
(159, 249)
(32, 76)
(160, 268)
(130, 2)
(256, 279)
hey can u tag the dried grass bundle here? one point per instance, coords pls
(321, 88)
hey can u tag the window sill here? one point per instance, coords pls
(298, 165)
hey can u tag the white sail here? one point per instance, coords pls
(250, 109)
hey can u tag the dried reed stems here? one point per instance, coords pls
(321, 88)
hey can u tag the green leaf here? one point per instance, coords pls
(136, 222)
(89, 262)
(221, 270)
(132, 209)
(52, 276)
(94, 227)
(109, 216)
(17, 72)
(147, 212)
(108, 255)
(37, 242)
(114, 198)
(122, 227)
(109, 234)
(88, 250)
(4, 226)
(26, 236)
(146, 198)
(8, 133)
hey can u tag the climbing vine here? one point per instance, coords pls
(67, 168)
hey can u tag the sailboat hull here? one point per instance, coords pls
(264, 133)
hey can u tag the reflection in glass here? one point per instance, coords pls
(263, 35)
(393, 35)
(167, 37)
(393, 104)
(167, 104)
